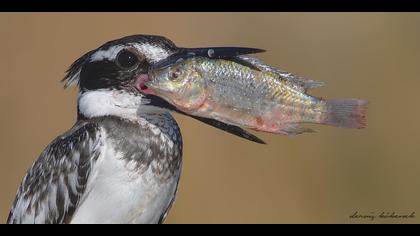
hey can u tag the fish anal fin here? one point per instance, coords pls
(289, 129)
(292, 129)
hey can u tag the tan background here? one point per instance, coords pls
(314, 178)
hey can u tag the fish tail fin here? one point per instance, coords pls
(346, 113)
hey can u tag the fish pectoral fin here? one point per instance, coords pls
(295, 129)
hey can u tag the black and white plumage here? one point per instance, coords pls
(121, 161)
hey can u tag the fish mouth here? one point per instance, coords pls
(141, 84)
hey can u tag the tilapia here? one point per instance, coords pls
(249, 93)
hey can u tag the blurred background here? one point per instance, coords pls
(313, 178)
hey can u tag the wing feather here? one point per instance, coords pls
(53, 186)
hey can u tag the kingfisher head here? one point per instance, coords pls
(112, 78)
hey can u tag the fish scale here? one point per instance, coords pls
(240, 86)
(267, 99)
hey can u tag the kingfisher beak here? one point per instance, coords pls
(232, 129)
(212, 53)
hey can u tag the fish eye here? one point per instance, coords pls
(127, 59)
(175, 74)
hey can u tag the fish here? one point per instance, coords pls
(244, 91)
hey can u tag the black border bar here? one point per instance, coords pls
(209, 5)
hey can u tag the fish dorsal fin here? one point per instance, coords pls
(243, 62)
(303, 83)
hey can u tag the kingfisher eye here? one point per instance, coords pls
(175, 74)
(127, 59)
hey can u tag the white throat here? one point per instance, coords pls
(110, 103)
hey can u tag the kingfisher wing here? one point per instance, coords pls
(301, 82)
(53, 186)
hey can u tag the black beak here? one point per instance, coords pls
(237, 131)
(228, 53)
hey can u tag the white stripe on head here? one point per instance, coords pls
(109, 54)
(152, 53)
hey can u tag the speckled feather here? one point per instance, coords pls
(51, 189)
(51, 194)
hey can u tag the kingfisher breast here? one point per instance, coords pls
(136, 176)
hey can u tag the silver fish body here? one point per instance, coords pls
(266, 99)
